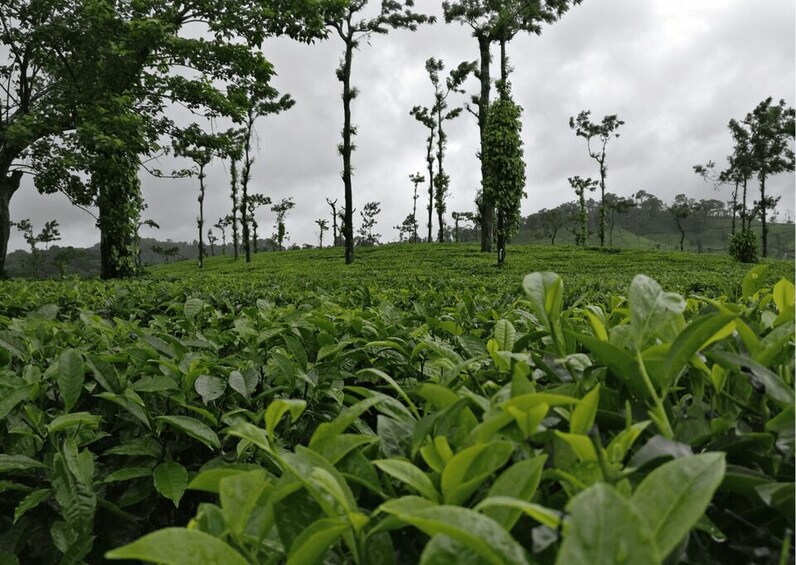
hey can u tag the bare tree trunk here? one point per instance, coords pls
(9, 184)
(487, 206)
(348, 95)
(501, 237)
(763, 214)
(200, 221)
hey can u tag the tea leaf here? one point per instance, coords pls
(606, 529)
(171, 479)
(70, 377)
(193, 428)
(673, 497)
(178, 546)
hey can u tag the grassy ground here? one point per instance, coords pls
(599, 269)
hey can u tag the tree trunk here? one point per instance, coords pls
(9, 184)
(504, 62)
(440, 178)
(746, 223)
(501, 237)
(430, 163)
(763, 214)
(348, 95)
(487, 206)
(119, 203)
(233, 171)
(244, 183)
(734, 207)
(201, 219)
(602, 200)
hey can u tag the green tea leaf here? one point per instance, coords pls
(585, 412)
(193, 428)
(314, 541)
(171, 479)
(192, 307)
(10, 400)
(240, 496)
(476, 531)
(178, 546)
(519, 482)
(209, 388)
(604, 528)
(127, 474)
(545, 292)
(653, 312)
(675, 495)
(343, 420)
(545, 516)
(30, 502)
(71, 420)
(465, 472)
(70, 377)
(697, 335)
(18, 463)
(753, 281)
(278, 408)
(505, 334)
(410, 474)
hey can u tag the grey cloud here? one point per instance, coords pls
(675, 71)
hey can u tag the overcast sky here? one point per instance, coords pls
(676, 71)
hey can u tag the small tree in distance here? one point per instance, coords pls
(603, 131)
(416, 179)
(369, 213)
(323, 225)
(680, 210)
(47, 235)
(581, 186)
(281, 211)
(252, 203)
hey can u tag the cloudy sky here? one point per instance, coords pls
(676, 71)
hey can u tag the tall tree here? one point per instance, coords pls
(552, 220)
(460, 217)
(617, 205)
(581, 185)
(323, 225)
(113, 68)
(729, 176)
(333, 205)
(221, 225)
(281, 210)
(498, 21)
(603, 131)
(441, 114)
(235, 156)
(369, 213)
(352, 28)
(201, 148)
(772, 132)
(258, 99)
(426, 118)
(416, 180)
(212, 239)
(680, 210)
(504, 183)
(253, 202)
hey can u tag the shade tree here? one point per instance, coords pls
(581, 186)
(348, 21)
(498, 21)
(425, 117)
(441, 113)
(504, 183)
(281, 209)
(369, 213)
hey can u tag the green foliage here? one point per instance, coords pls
(503, 166)
(744, 247)
(399, 415)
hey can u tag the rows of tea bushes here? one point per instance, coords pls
(432, 421)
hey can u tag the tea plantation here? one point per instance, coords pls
(577, 406)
